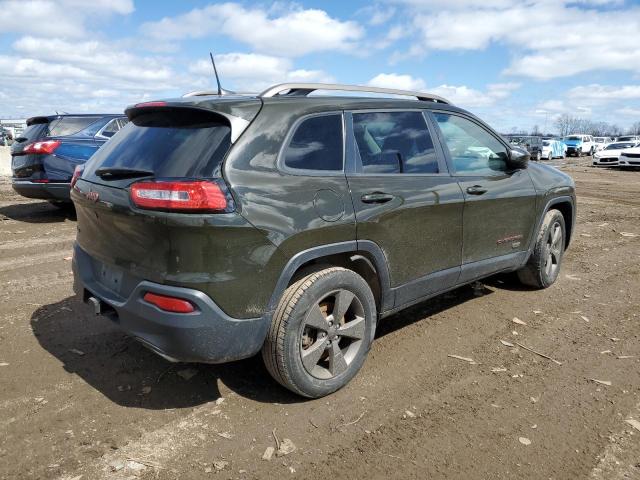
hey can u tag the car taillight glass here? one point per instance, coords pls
(77, 173)
(169, 304)
(189, 196)
(46, 147)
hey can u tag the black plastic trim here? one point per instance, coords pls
(352, 246)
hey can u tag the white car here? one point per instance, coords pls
(602, 142)
(630, 157)
(610, 155)
(553, 149)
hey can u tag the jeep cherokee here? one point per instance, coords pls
(213, 227)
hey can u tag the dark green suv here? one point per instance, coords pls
(213, 227)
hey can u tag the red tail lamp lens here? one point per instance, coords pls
(46, 147)
(179, 196)
(169, 304)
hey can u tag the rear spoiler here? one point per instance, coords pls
(238, 124)
(37, 120)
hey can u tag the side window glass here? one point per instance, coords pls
(316, 144)
(474, 150)
(110, 129)
(394, 142)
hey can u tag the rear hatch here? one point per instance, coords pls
(128, 200)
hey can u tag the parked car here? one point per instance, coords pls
(6, 138)
(553, 149)
(45, 155)
(610, 156)
(628, 138)
(579, 145)
(531, 144)
(214, 227)
(630, 158)
(601, 142)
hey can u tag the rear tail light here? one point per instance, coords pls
(77, 173)
(186, 196)
(46, 147)
(169, 304)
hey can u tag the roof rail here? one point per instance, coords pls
(304, 89)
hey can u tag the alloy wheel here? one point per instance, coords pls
(332, 334)
(554, 249)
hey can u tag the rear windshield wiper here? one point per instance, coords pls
(114, 173)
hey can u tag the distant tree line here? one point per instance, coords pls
(567, 124)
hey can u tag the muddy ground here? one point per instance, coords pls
(79, 400)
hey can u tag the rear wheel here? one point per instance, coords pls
(538, 156)
(550, 156)
(543, 267)
(321, 332)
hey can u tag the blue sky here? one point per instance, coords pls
(514, 63)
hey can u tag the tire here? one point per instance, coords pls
(543, 267)
(303, 351)
(550, 156)
(538, 156)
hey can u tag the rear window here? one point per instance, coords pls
(173, 143)
(65, 126)
(33, 132)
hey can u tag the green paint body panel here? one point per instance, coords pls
(238, 258)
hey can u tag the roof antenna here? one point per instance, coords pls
(215, 70)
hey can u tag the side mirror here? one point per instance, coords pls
(518, 158)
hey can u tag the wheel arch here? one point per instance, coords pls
(363, 257)
(566, 206)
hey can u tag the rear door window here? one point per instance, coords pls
(394, 142)
(316, 144)
(66, 126)
(172, 143)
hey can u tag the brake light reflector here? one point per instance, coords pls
(47, 147)
(77, 173)
(169, 304)
(184, 196)
(150, 104)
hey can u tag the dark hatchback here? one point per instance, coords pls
(45, 155)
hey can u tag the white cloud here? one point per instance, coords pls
(467, 97)
(64, 18)
(398, 81)
(605, 93)
(295, 33)
(254, 72)
(549, 39)
(460, 95)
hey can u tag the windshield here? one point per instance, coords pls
(546, 143)
(171, 143)
(620, 146)
(573, 138)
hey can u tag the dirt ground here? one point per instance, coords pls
(80, 400)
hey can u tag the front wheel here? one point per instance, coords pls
(538, 156)
(321, 332)
(543, 267)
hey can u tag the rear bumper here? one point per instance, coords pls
(207, 335)
(46, 191)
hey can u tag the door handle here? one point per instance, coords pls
(376, 197)
(476, 190)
